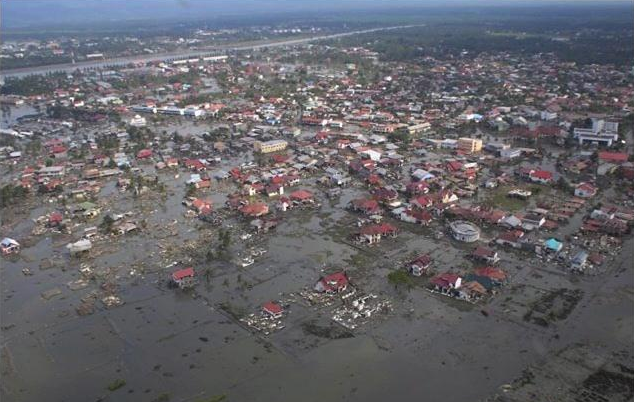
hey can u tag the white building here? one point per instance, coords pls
(194, 112)
(372, 154)
(585, 190)
(602, 132)
(464, 231)
(138, 121)
(510, 153)
(51, 171)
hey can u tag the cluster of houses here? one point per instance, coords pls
(481, 282)
(436, 162)
(470, 287)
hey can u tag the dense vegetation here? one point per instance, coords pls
(33, 84)
(34, 61)
(11, 195)
(585, 39)
(594, 33)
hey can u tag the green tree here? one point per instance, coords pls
(191, 190)
(34, 147)
(226, 240)
(11, 194)
(399, 278)
(106, 223)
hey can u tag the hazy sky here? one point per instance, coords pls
(15, 13)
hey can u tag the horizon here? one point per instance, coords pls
(21, 14)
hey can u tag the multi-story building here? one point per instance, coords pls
(418, 128)
(266, 147)
(602, 132)
(469, 145)
(51, 171)
(511, 153)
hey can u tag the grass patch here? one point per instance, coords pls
(116, 384)
(360, 260)
(400, 278)
(164, 397)
(330, 331)
(234, 311)
(216, 398)
(499, 199)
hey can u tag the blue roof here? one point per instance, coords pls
(553, 244)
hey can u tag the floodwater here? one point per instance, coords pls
(11, 116)
(168, 341)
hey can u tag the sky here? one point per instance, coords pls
(23, 13)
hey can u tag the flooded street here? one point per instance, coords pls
(356, 205)
(164, 340)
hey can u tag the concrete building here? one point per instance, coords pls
(496, 147)
(266, 147)
(418, 128)
(579, 260)
(585, 190)
(602, 133)
(548, 116)
(138, 121)
(469, 145)
(51, 171)
(464, 231)
(511, 153)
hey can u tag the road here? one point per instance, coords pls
(183, 54)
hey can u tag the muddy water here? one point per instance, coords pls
(167, 341)
(15, 112)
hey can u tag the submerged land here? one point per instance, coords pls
(439, 210)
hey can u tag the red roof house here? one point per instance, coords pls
(541, 176)
(202, 206)
(367, 206)
(272, 309)
(182, 273)
(194, 164)
(420, 265)
(302, 196)
(585, 190)
(485, 254)
(422, 201)
(613, 157)
(446, 282)
(144, 154)
(55, 219)
(417, 187)
(373, 233)
(255, 209)
(184, 278)
(333, 283)
(495, 274)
